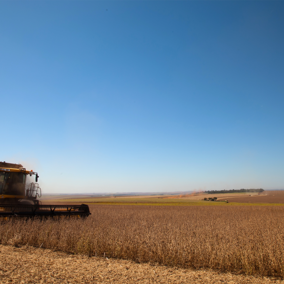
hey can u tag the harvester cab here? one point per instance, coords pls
(14, 185)
(19, 195)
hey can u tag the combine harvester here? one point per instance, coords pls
(19, 198)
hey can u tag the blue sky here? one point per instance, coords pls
(130, 96)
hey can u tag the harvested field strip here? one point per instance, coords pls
(33, 265)
(244, 239)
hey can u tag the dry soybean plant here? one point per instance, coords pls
(246, 239)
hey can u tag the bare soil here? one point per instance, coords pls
(35, 265)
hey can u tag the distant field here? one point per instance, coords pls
(131, 201)
(195, 199)
(275, 196)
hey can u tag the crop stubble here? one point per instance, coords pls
(235, 239)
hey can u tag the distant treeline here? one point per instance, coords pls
(235, 190)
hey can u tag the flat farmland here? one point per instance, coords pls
(238, 239)
(194, 199)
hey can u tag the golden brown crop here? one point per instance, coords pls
(245, 239)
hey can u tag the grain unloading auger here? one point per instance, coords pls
(19, 198)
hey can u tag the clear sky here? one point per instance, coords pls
(130, 96)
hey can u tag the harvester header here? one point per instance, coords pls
(19, 196)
